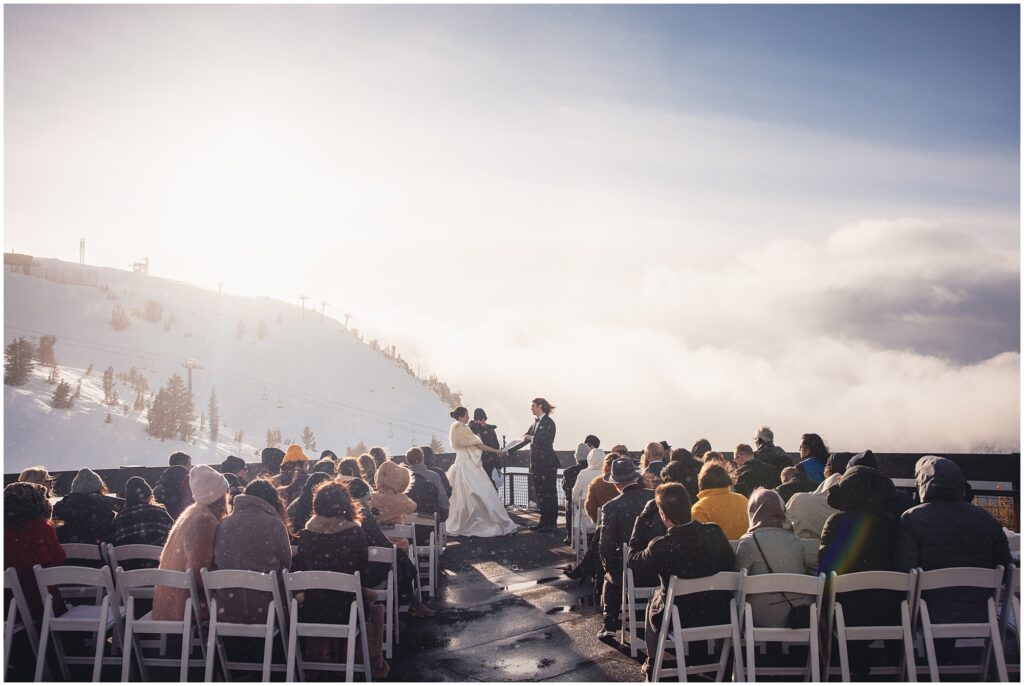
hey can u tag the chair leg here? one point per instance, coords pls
(814, 647)
(186, 645)
(995, 645)
(350, 655)
(737, 646)
(44, 639)
(659, 651)
(126, 657)
(677, 643)
(293, 638)
(929, 643)
(751, 665)
(211, 647)
(9, 634)
(909, 657)
(366, 641)
(268, 643)
(101, 639)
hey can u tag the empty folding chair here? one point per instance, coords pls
(274, 625)
(674, 637)
(139, 583)
(387, 595)
(791, 584)
(987, 628)
(897, 582)
(18, 618)
(354, 628)
(634, 606)
(98, 619)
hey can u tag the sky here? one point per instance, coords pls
(671, 221)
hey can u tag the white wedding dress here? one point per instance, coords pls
(475, 509)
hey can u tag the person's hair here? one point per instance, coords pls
(545, 406)
(765, 434)
(357, 488)
(679, 454)
(653, 448)
(25, 502)
(378, 455)
(349, 466)
(743, 449)
(621, 450)
(261, 488)
(331, 499)
(606, 467)
(788, 474)
(179, 458)
(414, 456)
(593, 441)
(714, 456)
(367, 466)
(701, 447)
(314, 480)
(674, 502)
(714, 475)
(218, 507)
(428, 455)
(34, 475)
(816, 445)
(459, 413)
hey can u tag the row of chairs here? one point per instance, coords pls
(915, 624)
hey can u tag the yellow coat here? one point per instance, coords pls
(722, 507)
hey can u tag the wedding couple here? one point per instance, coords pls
(476, 509)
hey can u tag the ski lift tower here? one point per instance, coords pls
(190, 364)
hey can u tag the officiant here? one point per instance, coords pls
(489, 437)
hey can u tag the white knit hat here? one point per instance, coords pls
(207, 484)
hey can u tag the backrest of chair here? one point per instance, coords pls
(321, 580)
(961, 577)
(399, 530)
(382, 554)
(12, 584)
(722, 581)
(238, 578)
(417, 519)
(118, 555)
(136, 579)
(87, 552)
(802, 584)
(70, 575)
(875, 580)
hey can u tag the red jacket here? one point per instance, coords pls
(33, 543)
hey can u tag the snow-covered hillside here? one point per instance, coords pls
(303, 373)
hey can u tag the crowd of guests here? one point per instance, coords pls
(694, 513)
(332, 510)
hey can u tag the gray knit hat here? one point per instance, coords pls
(87, 481)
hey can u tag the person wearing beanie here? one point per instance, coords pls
(328, 454)
(190, 543)
(325, 465)
(30, 539)
(390, 500)
(235, 465)
(173, 491)
(87, 515)
(271, 459)
(488, 434)
(141, 521)
(294, 471)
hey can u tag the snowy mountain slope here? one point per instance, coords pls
(303, 372)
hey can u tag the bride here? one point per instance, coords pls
(475, 507)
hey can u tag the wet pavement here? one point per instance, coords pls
(505, 612)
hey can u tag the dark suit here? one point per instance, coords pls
(489, 437)
(544, 469)
(618, 517)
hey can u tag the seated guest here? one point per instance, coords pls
(301, 509)
(349, 468)
(813, 456)
(30, 539)
(652, 458)
(620, 450)
(325, 465)
(180, 459)
(794, 481)
(700, 448)
(332, 541)
(861, 537)
(595, 464)
(837, 463)
(367, 468)
(379, 455)
(753, 472)
(173, 491)
(689, 550)
(767, 451)
(271, 460)
(768, 548)
(600, 491)
(716, 504)
(141, 521)
(190, 543)
(902, 500)
(808, 512)
(235, 465)
(946, 531)
(425, 487)
(390, 502)
(37, 475)
(294, 472)
(87, 514)
(682, 468)
(428, 459)
(235, 486)
(618, 517)
(569, 475)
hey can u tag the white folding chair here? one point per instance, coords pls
(871, 581)
(673, 631)
(389, 589)
(800, 584)
(117, 556)
(1011, 606)
(634, 606)
(427, 556)
(98, 619)
(84, 555)
(274, 624)
(961, 577)
(18, 618)
(583, 528)
(407, 532)
(139, 583)
(355, 627)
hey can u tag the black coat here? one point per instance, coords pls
(773, 455)
(340, 551)
(647, 528)
(489, 437)
(683, 471)
(756, 472)
(690, 551)
(569, 475)
(801, 484)
(87, 518)
(618, 518)
(444, 479)
(542, 445)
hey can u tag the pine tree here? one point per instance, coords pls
(140, 402)
(62, 396)
(54, 375)
(183, 411)
(358, 449)
(18, 361)
(88, 372)
(241, 329)
(78, 391)
(274, 437)
(159, 416)
(109, 392)
(44, 351)
(214, 414)
(308, 439)
(436, 445)
(119, 319)
(153, 311)
(238, 437)
(261, 330)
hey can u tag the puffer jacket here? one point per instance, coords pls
(253, 537)
(595, 461)
(189, 546)
(390, 502)
(86, 517)
(808, 512)
(722, 507)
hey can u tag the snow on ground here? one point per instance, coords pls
(303, 373)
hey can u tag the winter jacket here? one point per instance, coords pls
(86, 517)
(331, 544)
(421, 473)
(862, 536)
(33, 543)
(784, 554)
(189, 546)
(595, 462)
(174, 491)
(144, 524)
(598, 493)
(647, 528)
(722, 507)
(569, 475)
(690, 551)
(618, 518)
(756, 473)
(801, 484)
(489, 437)
(683, 471)
(299, 513)
(252, 537)
(444, 480)
(390, 501)
(813, 468)
(808, 512)
(773, 455)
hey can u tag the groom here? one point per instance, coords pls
(543, 463)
